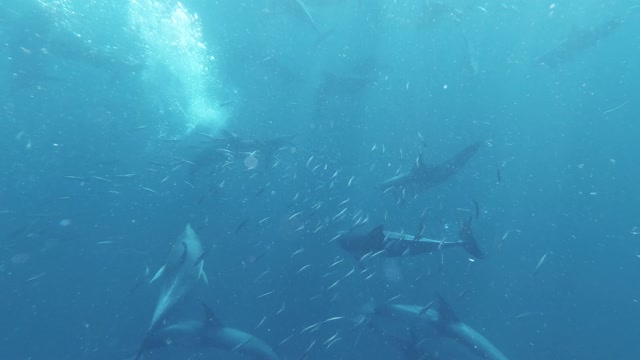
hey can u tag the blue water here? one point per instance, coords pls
(96, 156)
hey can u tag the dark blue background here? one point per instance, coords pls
(569, 170)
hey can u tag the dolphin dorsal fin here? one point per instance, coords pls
(377, 230)
(446, 314)
(211, 320)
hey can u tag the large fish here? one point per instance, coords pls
(394, 244)
(423, 176)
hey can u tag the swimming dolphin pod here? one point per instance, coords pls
(424, 176)
(412, 325)
(208, 332)
(183, 270)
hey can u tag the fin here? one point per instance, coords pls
(377, 231)
(200, 258)
(203, 274)
(210, 317)
(446, 314)
(158, 274)
(470, 243)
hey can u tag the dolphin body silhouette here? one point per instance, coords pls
(422, 176)
(394, 244)
(411, 325)
(183, 270)
(208, 332)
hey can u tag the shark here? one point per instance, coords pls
(182, 271)
(208, 332)
(577, 42)
(424, 176)
(395, 244)
(412, 326)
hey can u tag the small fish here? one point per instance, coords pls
(285, 340)
(101, 179)
(299, 251)
(504, 237)
(498, 175)
(261, 322)
(539, 265)
(242, 225)
(265, 294)
(73, 177)
(335, 238)
(149, 190)
(281, 310)
(295, 215)
(35, 277)
(190, 185)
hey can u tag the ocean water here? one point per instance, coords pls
(122, 121)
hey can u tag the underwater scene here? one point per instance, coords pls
(319, 179)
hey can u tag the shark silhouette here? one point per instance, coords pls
(208, 332)
(577, 42)
(411, 325)
(184, 268)
(423, 176)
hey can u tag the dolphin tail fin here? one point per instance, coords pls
(470, 243)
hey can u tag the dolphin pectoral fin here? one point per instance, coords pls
(158, 274)
(203, 274)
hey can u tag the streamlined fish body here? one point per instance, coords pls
(423, 176)
(395, 244)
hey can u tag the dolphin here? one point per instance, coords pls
(208, 332)
(422, 176)
(577, 42)
(412, 325)
(184, 268)
(394, 244)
